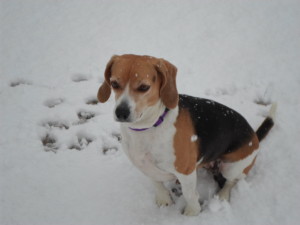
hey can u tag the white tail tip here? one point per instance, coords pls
(273, 110)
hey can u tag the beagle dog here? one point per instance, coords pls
(168, 135)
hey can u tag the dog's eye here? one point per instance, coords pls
(143, 88)
(115, 85)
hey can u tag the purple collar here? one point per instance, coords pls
(158, 122)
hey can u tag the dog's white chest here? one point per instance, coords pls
(151, 151)
(148, 164)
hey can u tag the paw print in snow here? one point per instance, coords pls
(18, 82)
(50, 143)
(81, 142)
(80, 77)
(51, 103)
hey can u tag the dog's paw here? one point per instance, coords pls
(163, 200)
(192, 211)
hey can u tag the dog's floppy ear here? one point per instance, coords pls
(105, 89)
(168, 91)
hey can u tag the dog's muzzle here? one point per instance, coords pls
(123, 112)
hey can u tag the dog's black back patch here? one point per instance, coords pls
(220, 129)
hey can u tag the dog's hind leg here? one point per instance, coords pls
(224, 193)
(236, 166)
(234, 172)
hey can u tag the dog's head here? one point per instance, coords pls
(138, 83)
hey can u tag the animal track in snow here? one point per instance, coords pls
(117, 136)
(84, 116)
(92, 101)
(50, 103)
(80, 77)
(56, 124)
(112, 147)
(18, 82)
(109, 150)
(50, 143)
(262, 101)
(81, 142)
(265, 98)
(231, 90)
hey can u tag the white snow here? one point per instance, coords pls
(61, 160)
(194, 138)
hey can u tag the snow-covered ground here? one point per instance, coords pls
(61, 160)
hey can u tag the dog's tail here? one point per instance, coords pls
(268, 123)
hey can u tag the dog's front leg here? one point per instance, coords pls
(162, 195)
(190, 193)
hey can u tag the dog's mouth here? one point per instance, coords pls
(129, 119)
(122, 120)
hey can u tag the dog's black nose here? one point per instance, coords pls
(122, 112)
